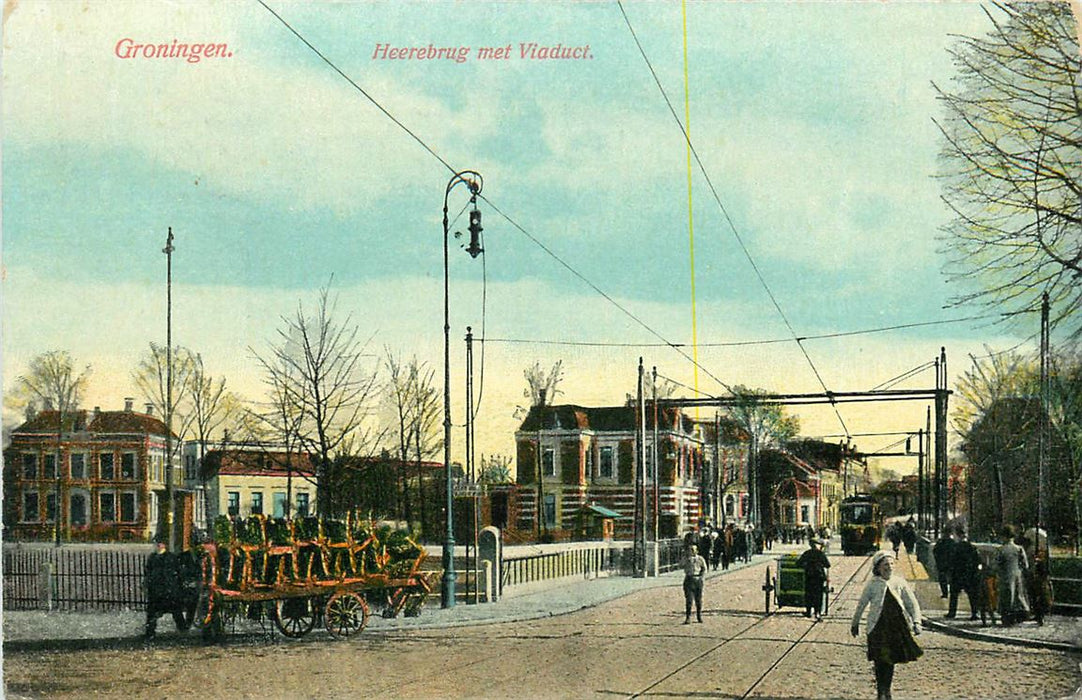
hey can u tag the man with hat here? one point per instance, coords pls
(162, 583)
(815, 564)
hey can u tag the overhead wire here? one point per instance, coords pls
(734, 343)
(725, 213)
(514, 224)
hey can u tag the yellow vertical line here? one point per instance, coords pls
(691, 219)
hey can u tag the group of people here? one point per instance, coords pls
(723, 546)
(1005, 583)
(899, 534)
(893, 613)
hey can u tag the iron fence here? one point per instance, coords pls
(73, 579)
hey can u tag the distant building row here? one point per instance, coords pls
(102, 476)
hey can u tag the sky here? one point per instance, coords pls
(819, 212)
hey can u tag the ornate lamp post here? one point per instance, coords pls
(474, 183)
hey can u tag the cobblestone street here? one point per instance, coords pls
(632, 646)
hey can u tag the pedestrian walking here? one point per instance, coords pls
(717, 549)
(694, 571)
(893, 622)
(965, 575)
(815, 564)
(1040, 587)
(1011, 568)
(909, 536)
(894, 534)
(941, 553)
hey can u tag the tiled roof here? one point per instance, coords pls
(255, 463)
(600, 418)
(103, 422)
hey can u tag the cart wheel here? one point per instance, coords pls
(294, 617)
(204, 608)
(346, 614)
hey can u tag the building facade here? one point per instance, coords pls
(239, 480)
(99, 476)
(570, 458)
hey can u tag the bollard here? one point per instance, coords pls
(46, 586)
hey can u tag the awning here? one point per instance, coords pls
(605, 512)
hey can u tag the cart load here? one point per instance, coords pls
(303, 570)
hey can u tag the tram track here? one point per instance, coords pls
(743, 635)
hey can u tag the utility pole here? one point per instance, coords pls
(170, 487)
(1045, 431)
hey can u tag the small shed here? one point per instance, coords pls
(598, 522)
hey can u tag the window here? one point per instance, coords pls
(50, 507)
(127, 507)
(550, 510)
(30, 466)
(302, 505)
(49, 466)
(30, 507)
(804, 514)
(78, 466)
(127, 465)
(606, 470)
(106, 470)
(730, 503)
(189, 467)
(257, 503)
(234, 503)
(78, 510)
(279, 504)
(107, 503)
(548, 461)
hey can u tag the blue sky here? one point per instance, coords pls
(813, 120)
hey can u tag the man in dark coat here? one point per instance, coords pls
(909, 536)
(965, 575)
(941, 552)
(163, 589)
(815, 564)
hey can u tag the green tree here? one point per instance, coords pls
(767, 425)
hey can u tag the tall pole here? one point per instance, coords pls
(1045, 432)
(920, 480)
(657, 472)
(473, 181)
(170, 487)
(640, 473)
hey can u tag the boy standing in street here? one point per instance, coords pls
(694, 571)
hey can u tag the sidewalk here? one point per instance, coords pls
(43, 630)
(1059, 632)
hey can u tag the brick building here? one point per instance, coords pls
(572, 457)
(101, 472)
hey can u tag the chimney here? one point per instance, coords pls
(128, 402)
(47, 404)
(150, 409)
(541, 396)
(31, 411)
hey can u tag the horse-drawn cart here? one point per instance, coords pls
(299, 573)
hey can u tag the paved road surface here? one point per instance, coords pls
(631, 647)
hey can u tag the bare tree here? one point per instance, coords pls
(542, 386)
(212, 407)
(151, 376)
(317, 363)
(1012, 161)
(51, 379)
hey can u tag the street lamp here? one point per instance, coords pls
(474, 183)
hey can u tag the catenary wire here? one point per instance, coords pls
(505, 216)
